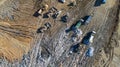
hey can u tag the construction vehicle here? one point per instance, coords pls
(75, 26)
(83, 21)
(74, 48)
(103, 1)
(78, 24)
(64, 18)
(44, 28)
(87, 19)
(90, 52)
(72, 3)
(52, 12)
(88, 39)
(62, 1)
(40, 11)
(99, 2)
(56, 14)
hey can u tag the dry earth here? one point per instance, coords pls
(19, 40)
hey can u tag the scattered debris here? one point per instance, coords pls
(76, 36)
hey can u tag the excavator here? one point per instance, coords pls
(44, 28)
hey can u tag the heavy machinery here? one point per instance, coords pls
(90, 52)
(56, 14)
(74, 48)
(44, 28)
(83, 21)
(99, 2)
(64, 18)
(103, 1)
(62, 1)
(78, 23)
(40, 11)
(75, 26)
(88, 39)
(87, 19)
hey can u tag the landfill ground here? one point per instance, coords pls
(23, 47)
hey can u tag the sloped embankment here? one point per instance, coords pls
(116, 57)
(15, 37)
(13, 43)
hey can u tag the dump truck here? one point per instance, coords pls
(87, 19)
(72, 3)
(64, 18)
(74, 48)
(75, 26)
(103, 1)
(56, 14)
(88, 39)
(83, 21)
(100, 2)
(76, 35)
(90, 52)
(62, 1)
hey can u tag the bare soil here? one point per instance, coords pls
(18, 35)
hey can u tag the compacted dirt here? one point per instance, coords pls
(18, 35)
